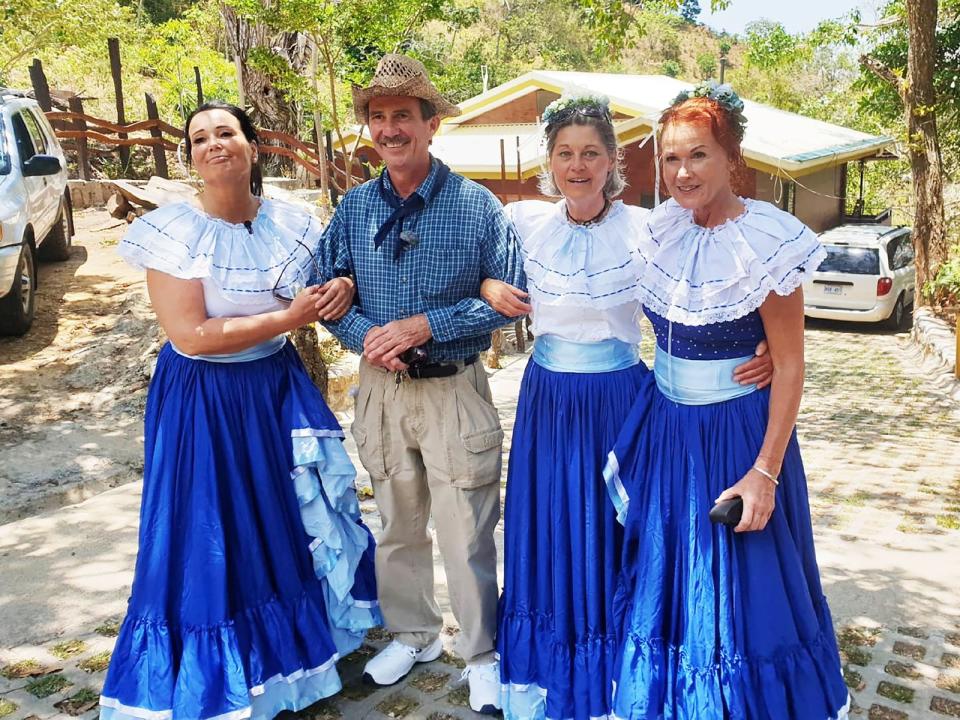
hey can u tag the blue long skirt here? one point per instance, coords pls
(717, 625)
(556, 634)
(254, 572)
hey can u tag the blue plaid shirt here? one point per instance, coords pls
(462, 236)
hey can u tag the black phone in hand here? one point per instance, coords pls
(727, 512)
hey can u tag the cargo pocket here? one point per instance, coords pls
(367, 431)
(475, 454)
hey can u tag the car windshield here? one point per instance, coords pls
(851, 260)
(4, 155)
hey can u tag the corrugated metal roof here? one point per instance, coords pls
(777, 141)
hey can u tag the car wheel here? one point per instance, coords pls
(56, 246)
(17, 306)
(895, 321)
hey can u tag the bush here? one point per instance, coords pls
(707, 65)
(944, 289)
(671, 68)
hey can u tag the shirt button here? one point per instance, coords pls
(403, 279)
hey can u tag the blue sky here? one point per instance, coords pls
(795, 16)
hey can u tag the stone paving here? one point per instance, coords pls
(879, 430)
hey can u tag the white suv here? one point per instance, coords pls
(868, 276)
(35, 217)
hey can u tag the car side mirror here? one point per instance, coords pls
(40, 165)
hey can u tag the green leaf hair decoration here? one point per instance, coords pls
(569, 105)
(723, 95)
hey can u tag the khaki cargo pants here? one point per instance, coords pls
(434, 445)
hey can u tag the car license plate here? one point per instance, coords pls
(833, 289)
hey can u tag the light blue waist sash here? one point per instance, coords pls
(698, 382)
(559, 355)
(264, 349)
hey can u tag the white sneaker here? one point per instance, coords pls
(391, 664)
(484, 687)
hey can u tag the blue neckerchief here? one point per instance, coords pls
(404, 208)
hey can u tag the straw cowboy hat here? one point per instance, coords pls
(402, 76)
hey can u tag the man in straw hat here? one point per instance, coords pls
(419, 240)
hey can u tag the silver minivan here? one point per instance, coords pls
(868, 276)
(35, 218)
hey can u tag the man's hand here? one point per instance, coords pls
(334, 298)
(756, 371)
(383, 345)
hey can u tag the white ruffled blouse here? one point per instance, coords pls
(238, 267)
(698, 276)
(582, 279)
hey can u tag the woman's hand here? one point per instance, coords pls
(504, 298)
(334, 298)
(303, 309)
(756, 371)
(759, 500)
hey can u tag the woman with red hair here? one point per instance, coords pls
(719, 621)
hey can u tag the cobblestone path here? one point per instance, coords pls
(881, 443)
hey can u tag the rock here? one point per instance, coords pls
(118, 206)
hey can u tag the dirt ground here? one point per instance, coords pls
(72, 389)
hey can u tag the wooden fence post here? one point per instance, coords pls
(41, 90)
(331, 166)
(113, 46)
(519, 173)
(196, 76)
(159, 154)
(83, 155)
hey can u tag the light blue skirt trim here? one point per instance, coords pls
(615, 489)
(294, 692)
(323, 479)
(264, 349)
(560, 355)
(698, 382)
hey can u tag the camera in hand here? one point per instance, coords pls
(415, 356)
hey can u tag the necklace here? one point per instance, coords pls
(592, 221)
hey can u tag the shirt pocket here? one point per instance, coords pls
(450, 271)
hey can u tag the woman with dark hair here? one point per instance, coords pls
(719, 621)
(556, 633)
(254, 572)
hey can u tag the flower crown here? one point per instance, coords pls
(588, 105)
(723, 95)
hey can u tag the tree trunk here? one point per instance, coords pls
(306, 342)
(929, 225)
(268, 107)
(919, 105)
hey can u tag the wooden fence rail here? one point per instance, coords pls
(84, 136)
(78, 129)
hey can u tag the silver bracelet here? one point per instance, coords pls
(769, 476)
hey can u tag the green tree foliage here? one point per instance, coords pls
(170, 50)
(706, 65)
(37, 28)
(671, 68)
(769, 45)
(888, 44)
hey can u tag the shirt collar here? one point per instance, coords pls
(425, 189)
